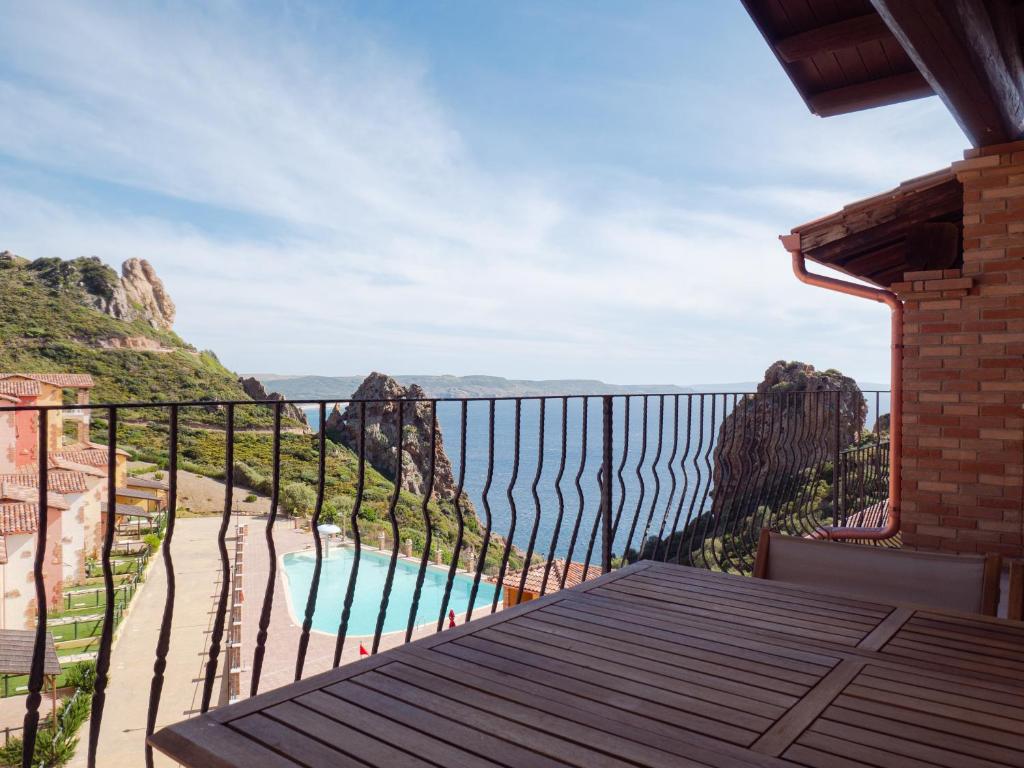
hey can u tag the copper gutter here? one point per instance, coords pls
(892, 525)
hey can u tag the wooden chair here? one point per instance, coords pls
(1015, 593)
(967, 583)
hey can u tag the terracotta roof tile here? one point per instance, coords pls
(90, 457)
(3, 550)
(19, 387)
(76, 380)
(58, 480)
(11, 492)
(18, 517)
(535, 576)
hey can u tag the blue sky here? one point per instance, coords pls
(530, 189)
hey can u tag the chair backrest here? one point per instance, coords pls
(955, 582)
(1015, 593)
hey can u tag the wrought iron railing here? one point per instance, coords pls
(541, 490)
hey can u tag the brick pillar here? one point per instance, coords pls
(963, 474)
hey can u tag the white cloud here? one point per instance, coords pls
(378, 241)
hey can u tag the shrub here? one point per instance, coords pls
(298, 499)
(81, 675)
(10, 753)
(54, 749)
(152, 541)
(250, 497)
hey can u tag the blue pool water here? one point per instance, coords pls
(373, 567)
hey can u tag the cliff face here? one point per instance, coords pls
(254, 389)
(777, 434)
(146, 295)
(382, 437)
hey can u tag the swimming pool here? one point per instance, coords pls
(373, 568)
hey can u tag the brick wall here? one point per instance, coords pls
(963, 472)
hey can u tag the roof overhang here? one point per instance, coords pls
(916, 226)
(848, 55)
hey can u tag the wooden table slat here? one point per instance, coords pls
(762, 602)
(718, 670)
(397, 734)
(278, 736)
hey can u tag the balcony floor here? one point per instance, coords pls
(654, 665)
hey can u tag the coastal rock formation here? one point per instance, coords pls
(146, 295)
(782, 431)
(382, 435)
(254, 388)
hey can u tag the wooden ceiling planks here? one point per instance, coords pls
(848, 55)
(839, 54)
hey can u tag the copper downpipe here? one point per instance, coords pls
(890, 299)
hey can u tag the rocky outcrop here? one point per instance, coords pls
(782, 431)
(140, 343)
(146, 295)
(255, 389)
(382, 435)
(137, 294)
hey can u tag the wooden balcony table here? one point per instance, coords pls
(652, 665)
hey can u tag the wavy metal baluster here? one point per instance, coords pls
(268, 594)
(654, 471)
(314, 584)
(389, 580)
(461, 529)
(686, 479)
(809, 467)
(561, 499)
(99, 696)
(707, 484)
(579, 490)
(720, 518)
(428, 525)
(639, 481)
(671, 464)
(37, 669)
(735, 508)
(536, 499)
(163, 643)
(622, 466)
(357, 539)
(225, 567)
(753, 406)
(806, 520)
(512, 508)
(684, 540)
(809, 520)
(487, 512)
(791, 453)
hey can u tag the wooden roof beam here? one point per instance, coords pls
(833, 37)
(976, 71)
(873, 93)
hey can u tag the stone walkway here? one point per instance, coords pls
(197, 578)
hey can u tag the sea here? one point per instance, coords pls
(543, 475)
